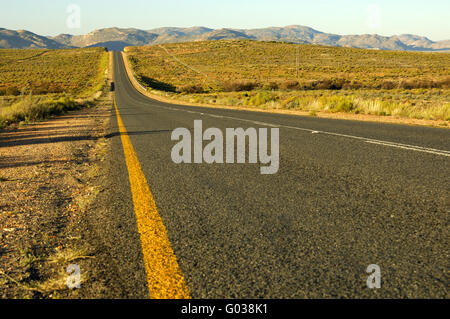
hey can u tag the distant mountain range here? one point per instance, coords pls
(117, 39)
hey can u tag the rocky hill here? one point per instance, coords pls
(117, 38)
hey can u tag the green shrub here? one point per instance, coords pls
(345, 105)
(34, 109)
(261, 98)
(338, 104)
(291, 103)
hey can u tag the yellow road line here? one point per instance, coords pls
(164, 277)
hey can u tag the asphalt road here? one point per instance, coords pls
(344, 197)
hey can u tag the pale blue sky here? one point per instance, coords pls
(429, 18)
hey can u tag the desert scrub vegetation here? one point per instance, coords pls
(242, 65)
(78, 72)
(35, 84)
(35, 108)
(431, 105)
(327, 79)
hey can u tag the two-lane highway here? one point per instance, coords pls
(347, 194)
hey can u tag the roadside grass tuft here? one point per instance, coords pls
(402, 105)
(261, 98)
(67, 256)
(56, 282)
(31, 108)
(29, 259)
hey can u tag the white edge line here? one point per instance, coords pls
(412, 148)
(365, 139)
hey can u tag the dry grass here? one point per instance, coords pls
(58, 281)
(78, 72)
(245, 65)
(33, 108)
(264, 75)
(35, 84)
(67, 256)
(432, 105)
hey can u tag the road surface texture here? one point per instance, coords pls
(347, 195)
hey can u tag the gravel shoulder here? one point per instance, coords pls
(48, 180)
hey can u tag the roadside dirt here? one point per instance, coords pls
(48, 180)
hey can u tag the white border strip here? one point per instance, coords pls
(365, 139)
